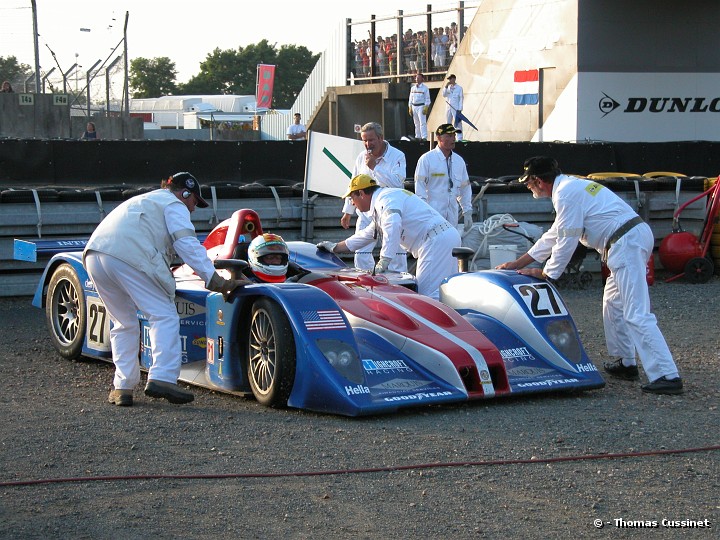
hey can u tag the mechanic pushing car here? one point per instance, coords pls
(403, 220)
(589, 213)
(268, 258)
(128, 258)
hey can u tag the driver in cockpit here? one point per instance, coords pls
(267, 259)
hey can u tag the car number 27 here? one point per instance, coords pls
(98, 325)
(541, 299)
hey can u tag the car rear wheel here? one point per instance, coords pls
(271, 354)
(65, 312)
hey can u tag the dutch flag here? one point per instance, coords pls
(526, 87)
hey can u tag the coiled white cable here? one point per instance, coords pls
(488, 229)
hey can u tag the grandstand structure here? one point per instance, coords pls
(601, 71)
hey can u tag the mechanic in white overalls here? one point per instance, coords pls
(590, 213)
(385, 165)
(453, 94)
(441, 179)
(418, 105)
(128, 258)
(402, 220)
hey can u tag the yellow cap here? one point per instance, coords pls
(361, 181)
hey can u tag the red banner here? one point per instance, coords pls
(265, 82)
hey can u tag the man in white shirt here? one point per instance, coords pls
(453, 94)
(590, 213)
(404, 221)
(296, 131)
(441, 179)
(128, 258)
(419, 105)
(386, 165)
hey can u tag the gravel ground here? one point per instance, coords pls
(505, 468)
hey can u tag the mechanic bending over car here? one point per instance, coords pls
(128, 258)
(386, 165)
(590, 213)
(403, 220)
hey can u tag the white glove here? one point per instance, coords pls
(327, 246)
(382, 265)
(467, 220)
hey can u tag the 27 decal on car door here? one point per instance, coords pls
(98, 325)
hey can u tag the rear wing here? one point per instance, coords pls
(29, 250)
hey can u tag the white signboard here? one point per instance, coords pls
(648, 107)
(330, 161)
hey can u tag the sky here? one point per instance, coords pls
(185, 32)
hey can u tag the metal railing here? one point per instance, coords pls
(337, 65)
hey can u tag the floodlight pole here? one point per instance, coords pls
(45, 78)
(37, 49)
(89, 71)
(107, 85)
(65, 76)
(125, 90)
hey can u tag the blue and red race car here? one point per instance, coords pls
(339, 340)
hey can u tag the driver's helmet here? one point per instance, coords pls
(262, 246)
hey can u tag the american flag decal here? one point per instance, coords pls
(326, 319)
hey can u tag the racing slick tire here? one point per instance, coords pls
(65, 312)
(270, 354)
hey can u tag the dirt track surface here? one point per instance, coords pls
(522, 477)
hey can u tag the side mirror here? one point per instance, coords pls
(234, 265)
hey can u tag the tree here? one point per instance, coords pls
(12, 71)
(153, 77)
(235, 71)
(294, 65)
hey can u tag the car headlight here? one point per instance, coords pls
(562, 335)
(343, 358)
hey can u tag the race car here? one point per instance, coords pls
(335, 339)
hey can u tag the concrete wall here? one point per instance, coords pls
(47, 116)
(34, 116)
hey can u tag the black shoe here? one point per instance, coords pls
(663, 385)
(172, 392)
(621, 371)
(122, 398)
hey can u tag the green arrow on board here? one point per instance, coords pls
(336, 162)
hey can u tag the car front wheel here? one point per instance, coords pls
(270, 354)
(65, 312)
